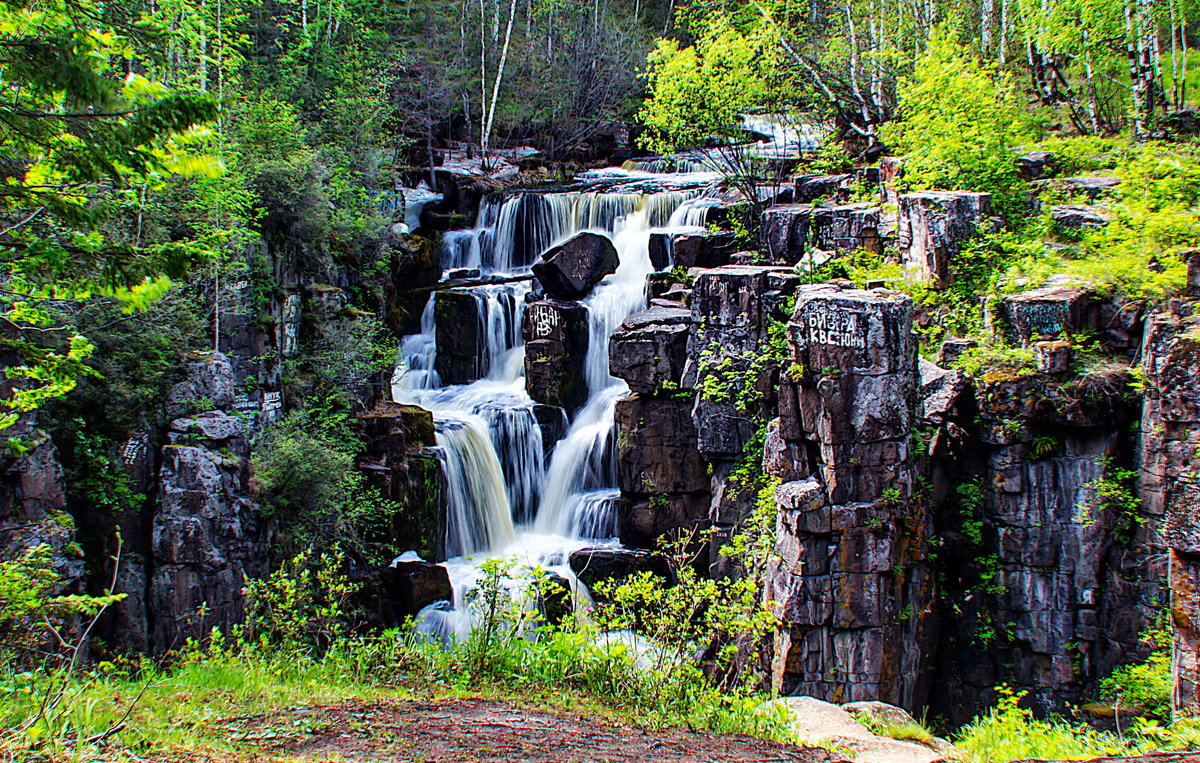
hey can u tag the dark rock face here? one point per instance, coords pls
(663, 478)
(209, 383)
(460, 337)
(733, 307)
(843, 229)
(691, 249)
(398, 463)
(414, 265)
(649, 350)
(852, 584)
(1169, 478)
(207, 538)
(556, 346)
(933, 227)
(1049, 312)
(206, 544)
(571, 269)
(593, 565)
(1078, 217)
(791, 231)
(785, 232)
(399, 591)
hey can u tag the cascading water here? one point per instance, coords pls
(502, 499)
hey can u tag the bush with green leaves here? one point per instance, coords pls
(1148, 684)
(305, 474)
(961, 122)
(1010, 732)
(304, 603)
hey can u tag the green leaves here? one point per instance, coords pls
(961, 121)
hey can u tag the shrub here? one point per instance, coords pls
(1010, 732)
(1146, 684)
(961, 121)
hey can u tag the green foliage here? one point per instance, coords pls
(1148, 684)
(970, 501)
(1010, 732)
(724, 619)
(1113, 493)
(697, 91)
(304, 603)
(961, 122)
(996, 360)
(305, 474)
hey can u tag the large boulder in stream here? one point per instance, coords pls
(571, 269)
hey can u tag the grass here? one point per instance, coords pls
(185, 705)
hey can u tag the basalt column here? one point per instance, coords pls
(1169, 477)
(851, 583)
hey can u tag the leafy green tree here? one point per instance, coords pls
(80, 135)
(961, 121)
(698, 91)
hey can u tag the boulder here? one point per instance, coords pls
(816, 722)
(1036, 165)
(570, 270)
(784, 233)
(934, 225)
(810, 188)
(1049, 312)
(592, 565)
(413, 585)
(649, 349)
(1078, 217)
(556, 346)
(940, 392)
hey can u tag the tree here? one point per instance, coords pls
(961, 121)
(80, 133)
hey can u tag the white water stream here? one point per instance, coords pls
(502, 498)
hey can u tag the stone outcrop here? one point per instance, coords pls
(663, 478)
(399, 463)
(1169, 476)
(845, 228)
(785, 232)
(650, 349)
(851, 583)
(690, 249)
(794, 233)
(810, 188)
(206, 537)
(1049, 312)
(934, 225)
(570, 269)
(1076, 218)
(460, 337)
(556, 347)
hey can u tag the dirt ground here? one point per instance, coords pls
(458, 731)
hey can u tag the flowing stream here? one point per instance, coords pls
(503, 497)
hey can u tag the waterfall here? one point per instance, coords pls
(502, 499)
(478, 516)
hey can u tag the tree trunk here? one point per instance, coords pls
(985, 27)
(1093, 120)
(1132, 44)
(487, 127)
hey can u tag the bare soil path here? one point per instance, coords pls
(467, 731)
